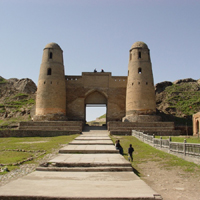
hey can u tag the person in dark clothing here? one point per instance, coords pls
(130, 153)
(119, 147)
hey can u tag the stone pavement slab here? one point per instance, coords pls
(84, 137)
(88, 149)
(78, 185)
(98, 159)
(94, 142)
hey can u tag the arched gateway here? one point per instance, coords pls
(95, 88)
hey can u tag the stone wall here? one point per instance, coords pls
(34, 133)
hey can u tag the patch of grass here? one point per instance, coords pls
(2, 80)
(20, 103)
(34, 143)
(20, 95)
(189, 139)
(144, 153)
(9, 157)
(102, 116)
(47, 144)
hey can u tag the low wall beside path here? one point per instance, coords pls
(186, 149)
(34, 133)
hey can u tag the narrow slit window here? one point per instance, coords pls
(49, 71)
(50, 55)
(146, 83)
(139, 70)
(139, 54)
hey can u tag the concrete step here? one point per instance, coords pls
(35, 133)
(113, 125)
(143, 128)
(85, 143)
(52, 128)
(97, 164)
(87, 169)
(91, 138)
(87, 151)
(52, 123)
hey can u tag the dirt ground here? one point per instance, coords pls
(171, 184)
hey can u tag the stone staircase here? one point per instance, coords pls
(157, 128)
(67, 126)
(89, 149)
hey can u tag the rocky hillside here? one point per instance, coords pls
(179, 100)
(17, 98)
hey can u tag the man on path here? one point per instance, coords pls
(130, 153)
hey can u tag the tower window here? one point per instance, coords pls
(50, 55)
(49, 71)
(139, 54)
(146, 83)
(139, 70)
(138, 83)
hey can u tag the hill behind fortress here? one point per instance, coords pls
(175, 101)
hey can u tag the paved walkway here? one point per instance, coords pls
(87, 168)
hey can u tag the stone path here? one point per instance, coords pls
(88, 168)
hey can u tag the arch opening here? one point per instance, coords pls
(197, 127)
(95, 107)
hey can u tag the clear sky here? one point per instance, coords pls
(98, 34)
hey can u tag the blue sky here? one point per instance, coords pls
(98, 34)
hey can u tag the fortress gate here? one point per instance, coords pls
(129, 98)
(96, 88)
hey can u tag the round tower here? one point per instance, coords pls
(140, 92)
(51, 92)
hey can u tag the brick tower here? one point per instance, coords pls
(51, 92)
(140, 92)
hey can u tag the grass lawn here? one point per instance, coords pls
(16, 149)
(189, 139)
(144, 153)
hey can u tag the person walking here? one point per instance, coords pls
(130, 153)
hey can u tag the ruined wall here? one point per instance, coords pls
(95, 88)
(196, 123)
